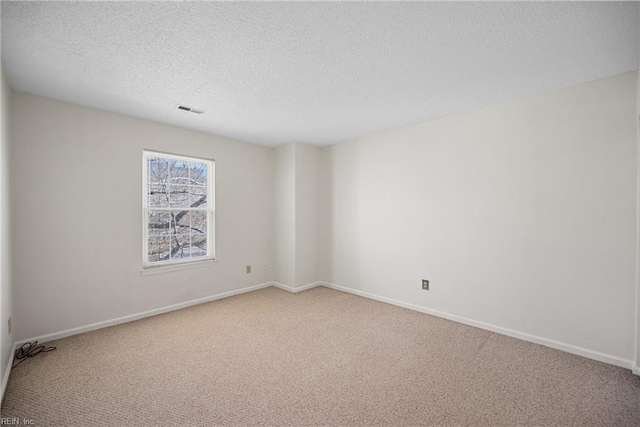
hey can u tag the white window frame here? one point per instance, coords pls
(211, 164)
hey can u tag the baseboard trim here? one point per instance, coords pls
(7, 372)
(569, 348)
(295, 290)
(132, 317)
(580, 351)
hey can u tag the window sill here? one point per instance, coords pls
(149, 271)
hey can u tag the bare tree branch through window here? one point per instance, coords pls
(178, 208)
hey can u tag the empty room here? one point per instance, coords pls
(320, 213)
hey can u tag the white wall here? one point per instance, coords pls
(296, 218)
(6, 294)
(324, 220)
(76, 215)
(307, 214)
(285, 214)
(522, 215)
(637, 353)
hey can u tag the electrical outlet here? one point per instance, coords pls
(425, 284)
(247, 269)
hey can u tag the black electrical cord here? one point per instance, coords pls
(30, 349)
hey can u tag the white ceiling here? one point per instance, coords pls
(319, 73)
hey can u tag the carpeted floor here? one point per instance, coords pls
(320, 357)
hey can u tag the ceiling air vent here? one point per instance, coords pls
(190, 110)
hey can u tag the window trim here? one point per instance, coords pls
(211, 209)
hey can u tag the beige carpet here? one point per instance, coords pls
(321, 357)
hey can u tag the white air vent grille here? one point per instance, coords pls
(189, 109)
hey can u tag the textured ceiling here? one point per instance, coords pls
(320, 73)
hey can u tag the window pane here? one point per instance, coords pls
(182, 219)
(159, 223)
(158, 248)
(180, 246)
(199, 234)
(157, 180)
(178, 184)
(179, 196)
(158, 169)
(198, 184)
(192, 231)
(198, 245)
(198, 196)
(198, 172)
(199, 223)
(178, 171)
(157, 195)
(198, 200)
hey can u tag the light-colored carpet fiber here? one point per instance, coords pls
(320, 357)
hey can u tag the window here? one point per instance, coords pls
(178, 209)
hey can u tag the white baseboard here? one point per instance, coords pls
(130, 318)
(137, 316)
(7, 372)
(504, 331)
(569, 348)
(297, 289)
